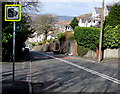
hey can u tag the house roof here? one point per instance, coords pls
(98, 10)
(53, 35)
(85, 17)
(108, 7)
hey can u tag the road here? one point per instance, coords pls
(60, 73)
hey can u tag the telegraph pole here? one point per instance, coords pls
(101, 34)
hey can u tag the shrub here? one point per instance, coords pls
(40, 43)
(61, 37)
(111, 37)
(33, 44)
(69, 34)
(87, 37)
(82, 51)
(113, 19)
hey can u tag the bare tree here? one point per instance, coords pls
(45, 23)
(27, 5)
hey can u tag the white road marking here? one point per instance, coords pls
(88, 70)
(28, 78)
(23, 66)
(30, 86)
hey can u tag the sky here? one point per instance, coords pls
(71, 7)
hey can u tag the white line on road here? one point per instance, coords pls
(30, 86)
(28, 78)
(88, 70)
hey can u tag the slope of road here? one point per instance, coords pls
(59, 73)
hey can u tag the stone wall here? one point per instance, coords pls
(108, 53)
(90, 54)
(111, 53)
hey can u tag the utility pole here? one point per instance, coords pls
(101, 34)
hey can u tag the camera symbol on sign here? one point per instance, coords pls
(12, 12)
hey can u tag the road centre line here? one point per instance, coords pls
(88, 70)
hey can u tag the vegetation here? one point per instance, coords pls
(69, 34)
(111, 37)
(74, 22)
(44, 24)
(82, 51)
(24, 31)
(112, 28)
(87, 37)
(113, 18)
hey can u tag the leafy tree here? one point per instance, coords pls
(112, 28)
(113, 18)
(21, 37)
(74, 22)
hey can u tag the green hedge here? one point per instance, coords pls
(61, 36)
(87, 37)
(112, 37)
(82, 51)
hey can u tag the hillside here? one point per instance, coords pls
(60, 18)
(65, 18)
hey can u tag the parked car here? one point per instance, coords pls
(25, 49)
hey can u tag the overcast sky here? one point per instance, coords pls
(71, 7)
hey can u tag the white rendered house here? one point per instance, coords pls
(93, 20)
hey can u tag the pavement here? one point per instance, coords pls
(20, 85)
(17, 88)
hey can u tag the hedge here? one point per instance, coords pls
(82, 51)
(87, 37)
(112, 37)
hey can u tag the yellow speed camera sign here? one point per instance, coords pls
(13, 12)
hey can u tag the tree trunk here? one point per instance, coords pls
(45, 36)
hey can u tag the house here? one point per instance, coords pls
(93, 19)
(52, 36)
(36, 38)
(63, 26)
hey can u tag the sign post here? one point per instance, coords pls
(13, 13)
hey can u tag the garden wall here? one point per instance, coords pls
(111, 53)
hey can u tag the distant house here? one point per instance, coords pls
(93, 19)
(52, 36)
(63, 26)
(41, 38)
(36, 38)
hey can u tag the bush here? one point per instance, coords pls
(33, 44)
(61, 36)
(69, 34)
(111, 37)
(113, 19)
(82, 51)
(87, 37)
(40, 43)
